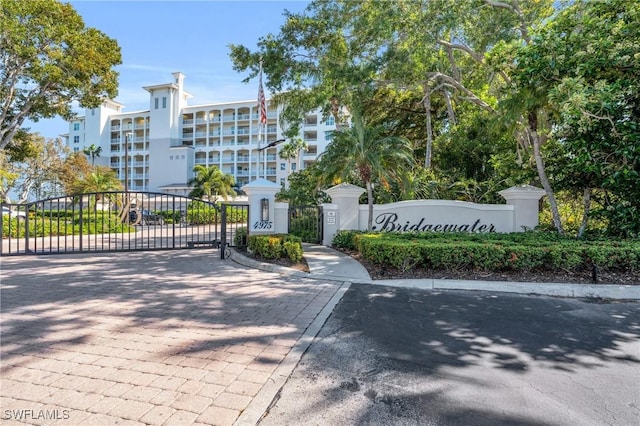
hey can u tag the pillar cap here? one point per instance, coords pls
(345, 189)
(261, 184)
(523, 192)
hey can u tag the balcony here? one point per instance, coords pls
(227, 158)
(271, 171)
(115, 128)
(243, 131)
(243, 158)
(271, 157)
(244, 116)
(201, 161)
(186, 122)
(201, 134)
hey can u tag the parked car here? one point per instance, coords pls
(6, 211)
(147, 217)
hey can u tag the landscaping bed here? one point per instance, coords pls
(526, 257)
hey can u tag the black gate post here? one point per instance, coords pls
(223, 230)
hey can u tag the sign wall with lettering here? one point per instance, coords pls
(439, 216)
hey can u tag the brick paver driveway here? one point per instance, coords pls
(175, 337)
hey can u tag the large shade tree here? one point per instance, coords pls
(582, 70)
(48, 58)
(36, 174)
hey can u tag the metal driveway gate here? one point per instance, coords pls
(108, 222)
(306, 223)
(234, 227)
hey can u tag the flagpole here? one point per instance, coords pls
(262, 119)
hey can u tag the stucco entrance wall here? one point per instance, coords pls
(438, 216)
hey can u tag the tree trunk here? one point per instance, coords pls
(370, 202)
(427, 108)
(586, 200)
(542, 174)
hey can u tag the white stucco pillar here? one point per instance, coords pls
(524, 200)
(262, 200)
(346, 196)
(330, 221)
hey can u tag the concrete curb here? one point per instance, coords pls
(262, 402)
(604, 291)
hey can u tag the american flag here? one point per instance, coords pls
(262, 104)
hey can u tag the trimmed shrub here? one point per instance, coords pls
(276, 246)
(240, 237)
(491, 252)
(345, 240)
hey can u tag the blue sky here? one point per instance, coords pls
(157, 38)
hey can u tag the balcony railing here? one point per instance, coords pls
(187, 121)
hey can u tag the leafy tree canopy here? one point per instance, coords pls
(48, 58)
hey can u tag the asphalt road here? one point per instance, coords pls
(390, 356)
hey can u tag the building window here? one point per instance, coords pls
(328, 136)
(282, 181)
(93, 112)
(76, 127)
(330, 120)
(76, 149)
(164, 102)
(76, 139)
(283, 166)
(293, 167)
(155, 104)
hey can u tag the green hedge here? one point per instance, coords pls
(490, 252)
(276, 246)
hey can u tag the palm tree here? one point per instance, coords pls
(101, 179)
(292, 149)
(93, 152)
(366, 153)
(210, 182)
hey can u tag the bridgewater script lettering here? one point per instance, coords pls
(388, 222)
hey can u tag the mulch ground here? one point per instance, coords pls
(541, 276)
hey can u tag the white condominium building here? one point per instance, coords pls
(157, 149)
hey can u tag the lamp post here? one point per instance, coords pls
(127, 138)
(269, 145)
